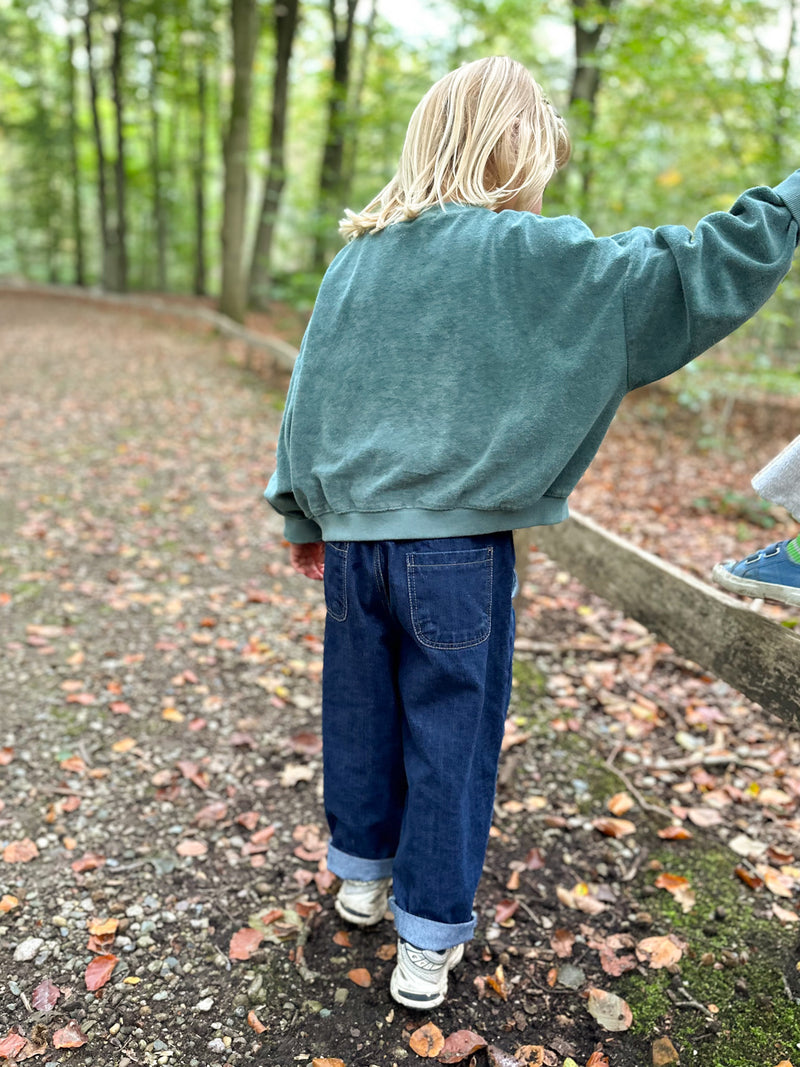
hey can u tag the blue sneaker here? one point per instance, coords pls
(772, 573)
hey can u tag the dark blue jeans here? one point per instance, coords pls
(416, 681)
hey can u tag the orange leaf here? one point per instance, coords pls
(360, 976)
(748, 877)
(679, 887)
(598, 1059)
(69, 1036)
(325, 1061)
(614, 827)
(386, 952)
(497, 982)
(248, 819)
(8, 902)
(11, 1044)
(675, 833)
(505, 909)
(244, 943)
(459, 1045)
(191, 847)
(254, 1021)
(427, 1041)
(660, 951)
(99, 971)
(620, 803)
(87, 862)
(102, 927)
(513, 881)
(6, 755)
(341, 937)
(20, 851)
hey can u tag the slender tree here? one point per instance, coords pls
(159, 209)
(244, 26)
(120, 244)
(102, 178)
(331, 191)
(285, 23)
(75, 177)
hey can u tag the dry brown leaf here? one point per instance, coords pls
(244, 943)
(614, 827)
(99, 971)
(427, 1041)
(386, 952)
(776, 882)
(327, 1061)
(748, 877)
(660, 951)
(679, 887)
(88, 862)
(69, 1036)
(535, 860)
(610, 1011)
(360, 976)
(704, 817)
(536, 1056)
(785, 915)
(598, 1059)
(498, 1057)
(459, 1045)
(562, 942)
(8, 902)
(504, 910)
(211, 813)
(11, 1044)
(20, 851)
(675, 833)
(102, 927)
(254, 1022)
(342, 937)
(580, 898)
(497, 982)
(620, 803)
(664, 1053)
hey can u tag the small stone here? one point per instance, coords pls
(216, 1044)
(341, 995)
(206, 1004)
(27, 949)
(58, 920)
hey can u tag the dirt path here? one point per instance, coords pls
(160, 767)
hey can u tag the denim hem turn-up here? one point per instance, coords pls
(416, 681)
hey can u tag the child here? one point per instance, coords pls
(462, 364)
(772, 572)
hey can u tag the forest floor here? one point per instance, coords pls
(163, 892)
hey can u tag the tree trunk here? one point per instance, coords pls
(286, 17)
(589, 32)
(102, 193)
(244, 23)
(332, 171)
(159, 217)
(351, 143)
(120, 236)
(199, 182)
(77, 225)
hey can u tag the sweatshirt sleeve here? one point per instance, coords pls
(298, 528)
(685, 291)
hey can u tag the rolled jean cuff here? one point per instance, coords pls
(427, 933)
(356, 868)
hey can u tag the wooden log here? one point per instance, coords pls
(755, 655)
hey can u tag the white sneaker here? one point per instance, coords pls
(363, 903)
(420, 978)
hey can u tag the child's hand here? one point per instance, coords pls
(309, 559)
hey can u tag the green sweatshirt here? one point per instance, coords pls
(460, 370)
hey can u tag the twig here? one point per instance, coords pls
(690, 1002)
(632, 871)
(656, 809)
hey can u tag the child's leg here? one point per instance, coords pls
(453, 600)
(362, 742)
(779, 480)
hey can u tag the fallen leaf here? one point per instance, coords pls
(427, 1041)
(536, 1056)
(20, 851)
(342, 937)
(776, 882)
(562, 942)
(534, 861)
(675, 833)
(620, 803)
(614, 827)
(513, 882)
(11, 1044)
(360, 976)
(213, 812)
(598, 1059)
(125, 744)
(307, 743)
(6, 755)
(99, 971)
(497, 982)
(660, 951)
(459, 1045)
(580, 898)
(325, 1061)
(497, 1057)
(69, 1036)
(704, 817)
(88, 862)
(102, 927)
(664, 1052)
(610, 1011)
(748, 877)
(785, 915)
(254, 1021)
(193, 773)
(45, 995)
(386, 952)
(244, 943)
(8, 902)
(248, 819)
(504, 910)
(679, 887)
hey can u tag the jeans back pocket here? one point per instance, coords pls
(335, 579)
(450, 596)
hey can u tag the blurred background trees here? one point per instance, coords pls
(209, 146)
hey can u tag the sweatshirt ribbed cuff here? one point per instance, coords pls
(789, 192)
(301, 531)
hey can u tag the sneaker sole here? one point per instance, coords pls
(424, 1001)
(783, 594)
(358, 918)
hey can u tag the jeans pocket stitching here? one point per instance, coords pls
(343, 552)
(448, 646)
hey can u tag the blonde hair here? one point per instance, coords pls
(482, 135)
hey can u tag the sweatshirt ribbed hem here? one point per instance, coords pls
(415, 523)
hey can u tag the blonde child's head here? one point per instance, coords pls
(484, 135)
